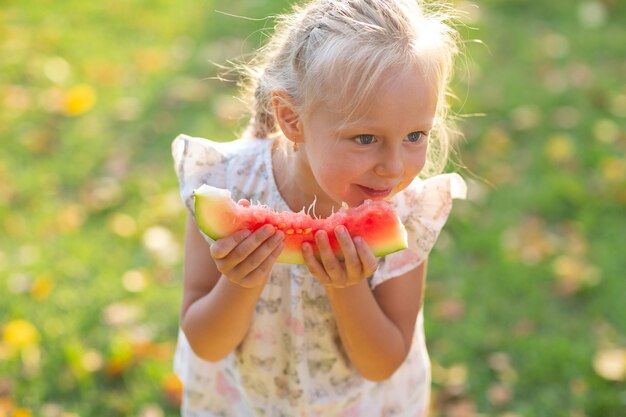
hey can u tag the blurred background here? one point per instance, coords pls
(525, 305)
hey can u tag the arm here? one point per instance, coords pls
(376, 327)
(216, 310)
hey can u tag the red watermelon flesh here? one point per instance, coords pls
(374, 221)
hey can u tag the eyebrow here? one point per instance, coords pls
(375, 127)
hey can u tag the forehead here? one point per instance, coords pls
(406, 92)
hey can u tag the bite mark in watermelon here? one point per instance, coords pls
(374, 221)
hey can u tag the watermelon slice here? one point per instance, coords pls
(375, 221)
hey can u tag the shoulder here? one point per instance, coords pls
(423, 208)
(185, 146)
(200, 161)
(429, 198)
(196, 157)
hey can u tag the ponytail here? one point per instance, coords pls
(262, 123)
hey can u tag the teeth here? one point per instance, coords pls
(378, 190)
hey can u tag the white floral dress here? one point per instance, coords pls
(291, 362)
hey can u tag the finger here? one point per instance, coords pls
(368, 260)
(315, 268)
(350, 255)
(251, 243)
(255, 259)
(260, 274)
(241, 251)
(330, 262)
(222, 247)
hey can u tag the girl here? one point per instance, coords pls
(348, 105)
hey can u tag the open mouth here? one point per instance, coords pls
(374, 193)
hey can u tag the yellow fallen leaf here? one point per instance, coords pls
(559, 148)
(500, 362)
(173, 389)
(151, 410)
(18, 334)
(455, 376)
(499, 394)
(496, 143)
(618, 105)
(120, 359)
(525, 117)
(151, 60)
(121, 313)
(6, 405)
(573, 273)
(610, 364)
(135, 280)
(117, 366)
(92, 361)
(122, 225)
(606, 130)
(161, 242)
(22, 412)
(530, 242)
(613, 169)
(71, 217)
(78, 100)
(42, 287)
(449, 309)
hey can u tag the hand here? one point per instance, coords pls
(246, 258)
(359, 262)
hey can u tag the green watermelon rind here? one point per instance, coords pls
(209, 200)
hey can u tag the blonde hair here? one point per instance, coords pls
(327, 49)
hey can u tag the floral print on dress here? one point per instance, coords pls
(292, 362)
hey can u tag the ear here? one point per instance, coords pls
(287, 117)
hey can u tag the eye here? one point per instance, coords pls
(415, 137)
(365, 139)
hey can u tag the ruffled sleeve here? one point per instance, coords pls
(423, 208)
(198, 161)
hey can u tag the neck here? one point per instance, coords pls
(296, 183)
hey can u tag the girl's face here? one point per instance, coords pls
(374, 153)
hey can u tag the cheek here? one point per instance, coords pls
(414, 165)
(419, 164)
(335, 171)
(331, 169)
(418, 159)
(332, 161)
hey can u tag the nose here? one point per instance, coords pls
(391, 163)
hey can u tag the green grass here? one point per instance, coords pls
(526, 286)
